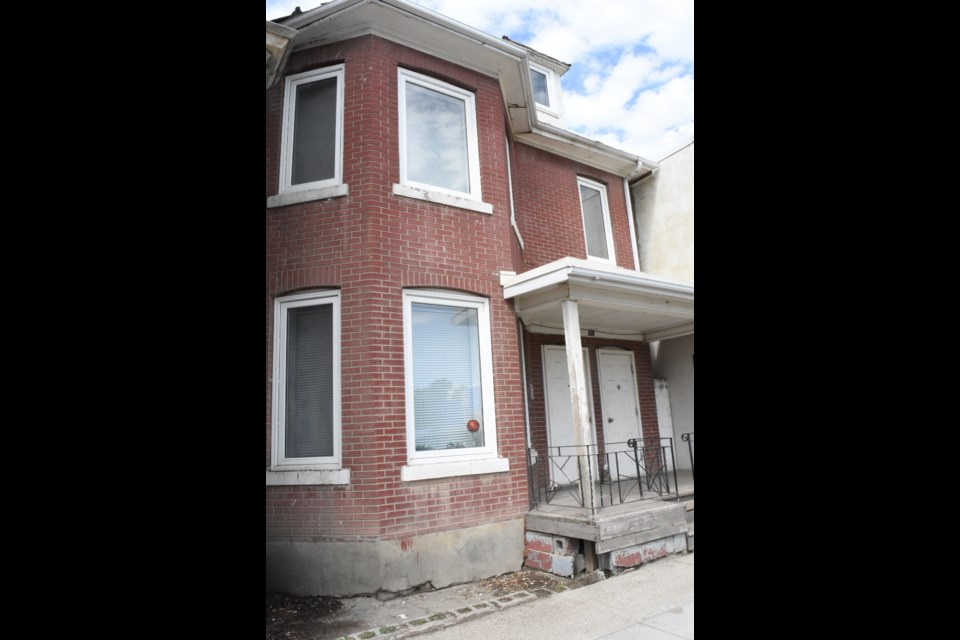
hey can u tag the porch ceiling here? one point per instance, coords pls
(613, 302)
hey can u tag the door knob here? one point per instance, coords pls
(609, 419)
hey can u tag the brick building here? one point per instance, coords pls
(435, 242)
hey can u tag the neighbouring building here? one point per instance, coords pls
(458, 337)
(663, 204)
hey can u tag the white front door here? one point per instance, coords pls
(620, 406)
(556, 385)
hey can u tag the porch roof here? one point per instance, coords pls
(613, 302)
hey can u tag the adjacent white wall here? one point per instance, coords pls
(674, 362)
(663, 208)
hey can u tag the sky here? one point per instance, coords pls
(631, 80)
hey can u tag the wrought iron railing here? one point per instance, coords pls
(688, 438)
(622, 472)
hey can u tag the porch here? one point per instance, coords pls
(642, 506)
(604, 487)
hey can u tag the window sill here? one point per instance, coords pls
(428, 471)
(324, 476)
(306, 195)
(442, 198)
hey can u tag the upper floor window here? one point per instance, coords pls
(306, 381)
(312, 144)
(542, 80)
(596, 220)
(438, 137)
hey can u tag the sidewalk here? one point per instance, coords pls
(652, 602)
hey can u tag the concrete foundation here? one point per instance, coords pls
(555, 554)
(648, 551)
(347, 568)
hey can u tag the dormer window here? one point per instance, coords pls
(540, 92)
(542, 80)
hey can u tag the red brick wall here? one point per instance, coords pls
(370, 244)
(547, 202)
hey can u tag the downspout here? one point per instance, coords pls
(523, 379)
(633, 230)
(531, 457)
(626, 194)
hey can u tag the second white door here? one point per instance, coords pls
(618, 399)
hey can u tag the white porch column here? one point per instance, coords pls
(578, 400)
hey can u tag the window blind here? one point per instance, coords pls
(436, 139)
(309, 377)
(314, 132)
(446, 373)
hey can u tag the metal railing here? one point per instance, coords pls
(688, 438)
(622, 472)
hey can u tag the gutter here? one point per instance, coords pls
(609, 159)
(574, 270)
(332, 9)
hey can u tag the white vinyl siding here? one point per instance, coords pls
(438, 137)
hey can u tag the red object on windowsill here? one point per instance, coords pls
(473, 425)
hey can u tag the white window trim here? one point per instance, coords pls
(278, 462)
(441, 198)
(296, 197)
(554, 108)
(286, 143)
(473, 148)
(451, 462)
(416, 472)
(607, 227)
(325, 476)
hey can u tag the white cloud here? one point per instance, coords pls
(633, 57)
(660, 119)
(634, 105)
